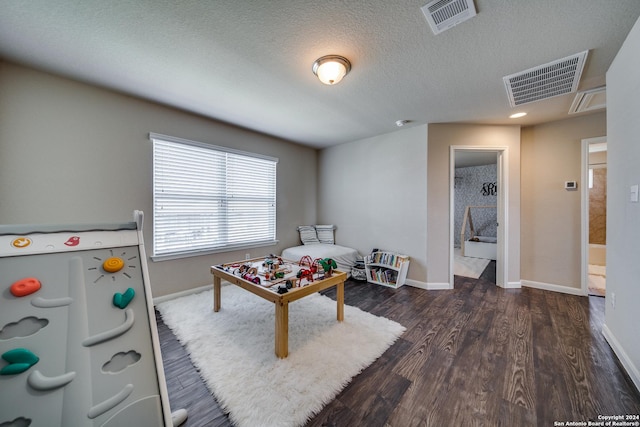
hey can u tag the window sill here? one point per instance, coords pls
(180, 255)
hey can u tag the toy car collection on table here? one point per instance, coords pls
(273, 270)
(281, 282)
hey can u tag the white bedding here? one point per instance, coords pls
(344, 257)
(485, 248)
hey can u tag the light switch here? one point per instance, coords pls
(633, 193)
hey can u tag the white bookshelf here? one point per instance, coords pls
(386, 268)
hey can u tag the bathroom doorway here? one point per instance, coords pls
(594, 216)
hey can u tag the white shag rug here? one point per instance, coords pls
(234, 351)
(468, 266)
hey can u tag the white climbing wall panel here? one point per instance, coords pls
(78, 339)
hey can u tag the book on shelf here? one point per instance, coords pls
(383, 275)
(387, 258)
(391, 276)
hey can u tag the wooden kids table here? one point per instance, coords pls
(281, 301)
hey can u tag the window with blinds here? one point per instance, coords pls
(210, 199)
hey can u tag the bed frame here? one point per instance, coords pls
(476, 246)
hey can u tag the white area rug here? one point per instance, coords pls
(234, 352)
(467, 266)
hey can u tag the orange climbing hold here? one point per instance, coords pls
(25, 287)
(113, 264)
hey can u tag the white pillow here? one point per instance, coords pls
(308, 235)
(325, 233)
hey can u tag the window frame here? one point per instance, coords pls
(225, 246)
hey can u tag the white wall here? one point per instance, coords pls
(623, 217)
(375, 191)
(74, 153)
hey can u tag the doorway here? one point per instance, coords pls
(594, 214)
(478, 218)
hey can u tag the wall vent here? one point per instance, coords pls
(444, 14)
(589, 100)
(546, 81)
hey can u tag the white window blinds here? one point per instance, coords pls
(210, 199)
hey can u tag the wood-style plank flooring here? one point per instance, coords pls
(478, 355)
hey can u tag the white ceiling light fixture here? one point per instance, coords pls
(331, 69)
(517, 115)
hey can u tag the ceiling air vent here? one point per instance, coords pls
(546, 81)
(589, 100)
(444, 14)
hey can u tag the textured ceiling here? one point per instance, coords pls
(249, 62)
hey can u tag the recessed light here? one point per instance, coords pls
(516, 115)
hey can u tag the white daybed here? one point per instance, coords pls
(481, 247)
(477, 246)
(318, 242)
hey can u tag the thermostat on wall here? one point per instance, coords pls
(570, 185)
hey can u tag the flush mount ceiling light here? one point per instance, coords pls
(517, 115)
(331, 69)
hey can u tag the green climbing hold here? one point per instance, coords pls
(123, 300)
(20, 359)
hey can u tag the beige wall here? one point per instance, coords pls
(441, 138)
(74, 153)
(598, 158)
(375, 191)
(623, 216)
(551, 215)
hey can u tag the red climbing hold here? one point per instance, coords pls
(25, 287)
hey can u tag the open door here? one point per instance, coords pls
(594, 197)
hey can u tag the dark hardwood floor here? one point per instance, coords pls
(478, 355)
(489, 273)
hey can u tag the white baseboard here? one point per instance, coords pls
(163, 298)
(632, 370)
(436, 286)
(554, 288)
(512, 285)
(416, 284)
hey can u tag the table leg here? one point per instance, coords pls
(340, 300)
(282, 329)
(216, 293)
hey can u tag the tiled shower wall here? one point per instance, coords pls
(473, 188)
(598, 207)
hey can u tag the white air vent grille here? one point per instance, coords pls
(589, 100)
(546, 81)
(444, 14)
